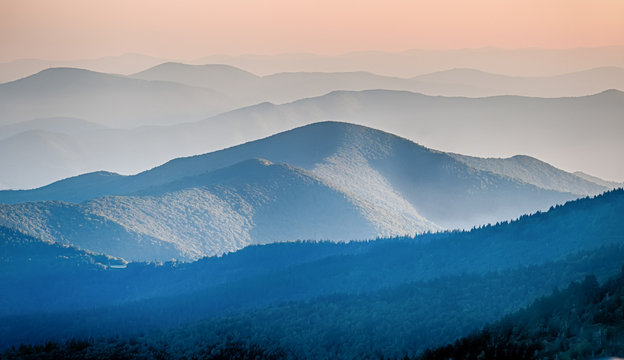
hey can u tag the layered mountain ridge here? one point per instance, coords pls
(327, 180)
(224, 210)
(452, 124)
(107, 99)
(289, 86)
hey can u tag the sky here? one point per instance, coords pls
(188, 29)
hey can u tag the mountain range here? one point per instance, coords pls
(173, 93)
(289, 86)
(327, 180)
(121, 64)
(107, 99)
(516, 62)
(512, 62)
(544, 128)
(367, 205)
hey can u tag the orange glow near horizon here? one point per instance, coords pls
(70, 29)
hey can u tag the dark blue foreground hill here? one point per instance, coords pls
(322, 300)
(584, 321)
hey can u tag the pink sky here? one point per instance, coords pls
(186, 29)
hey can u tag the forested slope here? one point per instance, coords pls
(321, 300)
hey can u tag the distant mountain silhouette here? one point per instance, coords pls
(211, 76)
(32, 153)
(106, 99)
(469, 82)
(289, 86)
(72, 126)
(511, 62)
(278, 88)
(123, 64)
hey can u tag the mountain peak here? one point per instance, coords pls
(206, 75)
(64, 74)
(172, 65)
(610, 92)
(525, 158)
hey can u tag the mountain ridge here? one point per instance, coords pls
(285, 87)
(536, 172)
(436, 122)
(71, 92)
(379, 184)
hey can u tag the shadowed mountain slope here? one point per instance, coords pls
(248, 203)
(71, 224)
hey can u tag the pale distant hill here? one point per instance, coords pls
(211, 75)
(511, 62)
(283, 87)
(469, 82)
(106, 99)
(71, 126)
(35, 155)
(122, 64)
(278, 88)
